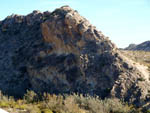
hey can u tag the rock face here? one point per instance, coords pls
(61, 52)
(145, 46)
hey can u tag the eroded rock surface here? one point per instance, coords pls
(61, 52)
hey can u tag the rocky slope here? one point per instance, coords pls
(145, 46)
(61, 52)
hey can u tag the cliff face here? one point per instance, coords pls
(145, 46)
(61, 52)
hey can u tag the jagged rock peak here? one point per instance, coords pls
(66, 8)
(81, 32)
(36, 11)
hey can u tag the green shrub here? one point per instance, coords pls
(46, 111)
(75, 103)
(31, 97)
(141, 79)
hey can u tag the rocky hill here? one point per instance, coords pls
(145, 46)
(61, 52)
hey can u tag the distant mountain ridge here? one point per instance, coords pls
(145, 46)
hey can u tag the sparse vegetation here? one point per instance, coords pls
(4, 30)
(75, 103)
(141, 79)
(142, 57)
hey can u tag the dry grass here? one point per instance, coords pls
(74, 103)
(141, 57)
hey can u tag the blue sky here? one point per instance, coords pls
(123, 21)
